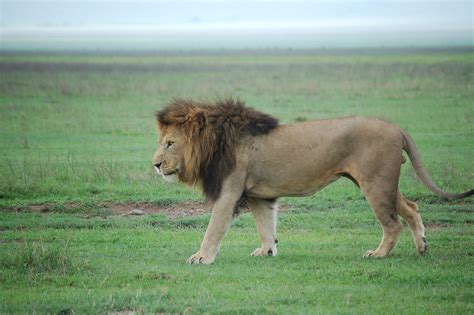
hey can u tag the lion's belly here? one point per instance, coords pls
(274, 187)
(268, 192)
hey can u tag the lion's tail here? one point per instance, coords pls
(410, 148)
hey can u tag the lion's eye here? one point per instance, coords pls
(169, 144)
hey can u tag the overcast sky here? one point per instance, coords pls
(447, 14)
(101, 24)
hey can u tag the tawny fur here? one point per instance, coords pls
(234, 151)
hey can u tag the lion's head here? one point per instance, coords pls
(198, 140)
(168, 159)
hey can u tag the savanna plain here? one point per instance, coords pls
(77, 133)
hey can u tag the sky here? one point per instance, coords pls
(451, 19)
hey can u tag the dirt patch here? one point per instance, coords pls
(40, 208)
(436, 226)
(440, 225)
(178, 210)
(173, 211)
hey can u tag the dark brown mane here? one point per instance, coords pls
(212, 131)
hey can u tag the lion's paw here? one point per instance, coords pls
(373, 254)
(200, 258)
(265, 251)
(423, 249)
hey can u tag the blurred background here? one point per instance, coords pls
(211, 24)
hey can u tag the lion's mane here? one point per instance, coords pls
(211, 134)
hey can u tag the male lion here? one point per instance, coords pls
(236, 154)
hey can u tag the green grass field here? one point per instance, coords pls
(77, 133)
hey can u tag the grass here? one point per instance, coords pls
(138, 264)
(36, 257)
(79, 128)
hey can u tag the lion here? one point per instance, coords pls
(238, 155)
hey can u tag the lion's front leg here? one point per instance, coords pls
(265, 214)
(221, 218)
(220, 222)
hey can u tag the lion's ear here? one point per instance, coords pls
(171, 116)
(162, 118)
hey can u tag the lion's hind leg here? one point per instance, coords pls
(408, 210)
(382, 197)
(265, 214)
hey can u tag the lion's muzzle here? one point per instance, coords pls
(157, 168)
(168, 176)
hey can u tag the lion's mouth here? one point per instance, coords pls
(170, 173)
(162, 173)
